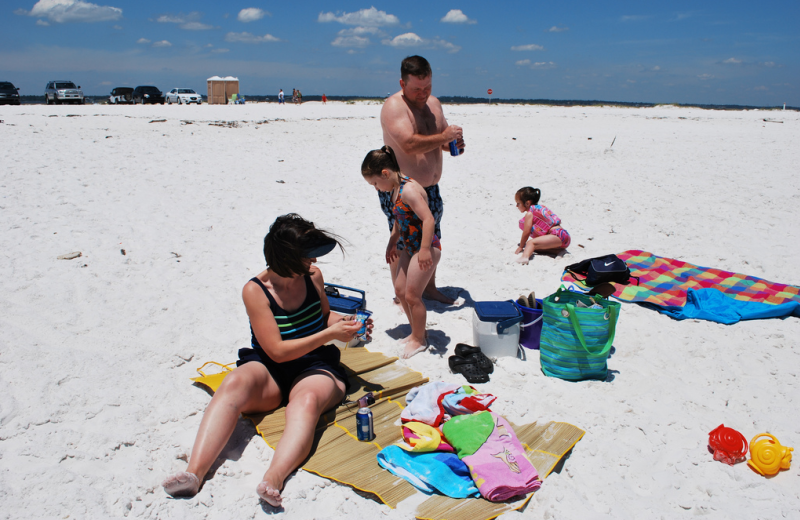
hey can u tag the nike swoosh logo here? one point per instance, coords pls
(609, 263)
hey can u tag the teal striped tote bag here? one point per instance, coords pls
(577, 338)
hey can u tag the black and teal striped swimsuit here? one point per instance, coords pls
(304, 322)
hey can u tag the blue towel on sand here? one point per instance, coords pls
(430, 472)
(714, 305)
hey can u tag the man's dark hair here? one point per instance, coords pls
(415, 66)
(289, 237)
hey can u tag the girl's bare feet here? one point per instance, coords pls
(269, 492)
(182, 484)
(523, 259)
(413, 347)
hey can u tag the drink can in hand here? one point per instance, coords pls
(362, 316)
(454, 147)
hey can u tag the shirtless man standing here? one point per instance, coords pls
(414, 126)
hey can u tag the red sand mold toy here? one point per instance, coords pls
(727, 445)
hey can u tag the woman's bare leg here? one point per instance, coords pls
(249, 388)
(312, 394)
(416, 280)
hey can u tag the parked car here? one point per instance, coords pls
(62, 91)
(121, 96)
(9, 94)
(147, 94)
(183, 96)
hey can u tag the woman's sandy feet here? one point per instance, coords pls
(414, 347)
(269, 494)
(182, 484)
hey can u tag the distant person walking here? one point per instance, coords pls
(281, 101)
(299, 97)
(294, 96)
(324, 99)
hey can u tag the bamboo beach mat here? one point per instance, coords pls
(338, 455)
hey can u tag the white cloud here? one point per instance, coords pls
(412, 40)
(529, 47)
(762, 87)
(189, 22)
(118, 27)
(106, 83)
(536, 65)
(196, 26)
(162, 43)
(251, 14)
(456, 16)
(350, 41)
(405, 40)
(769, 63)
(246, 37)
(61, 11)
(732, 61)
(656, 68)
(142, 40)
(558, 29)
(366, 17)
(220, 51)
(633, 18)
(42, 23)
(703, 77)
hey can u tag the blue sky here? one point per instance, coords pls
(716, 52)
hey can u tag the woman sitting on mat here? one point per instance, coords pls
(290, 363)
(540, 225)
(414, 229)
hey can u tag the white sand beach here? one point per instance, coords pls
(168, 206)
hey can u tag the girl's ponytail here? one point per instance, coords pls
(528, 194)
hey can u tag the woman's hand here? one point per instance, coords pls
(424, 258)
(346, 329)
(391, 250)
(519, 250)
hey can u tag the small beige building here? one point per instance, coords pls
(220, 90)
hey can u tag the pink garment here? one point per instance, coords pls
(500, 468)
(543, 220)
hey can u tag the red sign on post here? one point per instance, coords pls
(489, 92)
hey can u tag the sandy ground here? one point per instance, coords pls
(96, 352)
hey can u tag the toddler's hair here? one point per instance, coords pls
(378, 160)
(528, 194)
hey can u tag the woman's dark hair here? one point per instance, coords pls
(288, 240)
(378, 160)
(528, 194)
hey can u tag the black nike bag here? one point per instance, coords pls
(609, 268)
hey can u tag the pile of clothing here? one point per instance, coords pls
(456, 446)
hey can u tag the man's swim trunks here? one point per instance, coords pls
(435, 204)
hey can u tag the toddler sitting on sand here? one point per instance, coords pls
(540, 225)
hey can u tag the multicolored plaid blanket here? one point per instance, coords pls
(664, 282)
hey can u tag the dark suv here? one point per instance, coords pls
(147, 94)
(9, 94)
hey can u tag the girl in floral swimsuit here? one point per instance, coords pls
(414, 227)
(541, 228)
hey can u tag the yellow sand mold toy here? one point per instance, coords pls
(768, 456)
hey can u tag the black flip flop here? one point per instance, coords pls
(469, 352)
(468, 368)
